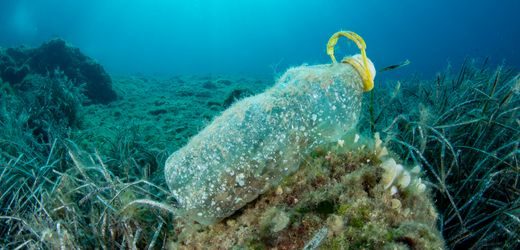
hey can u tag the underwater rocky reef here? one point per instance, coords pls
(432, 164)
(57, 55)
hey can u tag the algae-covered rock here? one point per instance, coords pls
(56, 54)
(337, 199)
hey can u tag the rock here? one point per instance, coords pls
(56, 54)
(348, 209)
(224, 82)
(209, 85)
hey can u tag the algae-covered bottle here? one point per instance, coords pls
(261, 139)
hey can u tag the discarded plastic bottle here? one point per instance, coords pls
(259, 140)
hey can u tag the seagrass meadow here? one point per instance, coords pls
(432, 164)
(259, 124)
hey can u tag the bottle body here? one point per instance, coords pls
(259, 140)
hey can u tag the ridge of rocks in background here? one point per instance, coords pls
(53, 56)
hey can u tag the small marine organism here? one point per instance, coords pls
(395, 66)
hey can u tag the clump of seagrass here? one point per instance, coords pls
(53, 195)
(34, 118)
(464, 129)
(88, 206)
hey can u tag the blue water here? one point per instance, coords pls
(246, 36)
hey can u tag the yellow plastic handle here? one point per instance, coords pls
(364, 71)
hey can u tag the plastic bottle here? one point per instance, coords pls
(259, 140)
